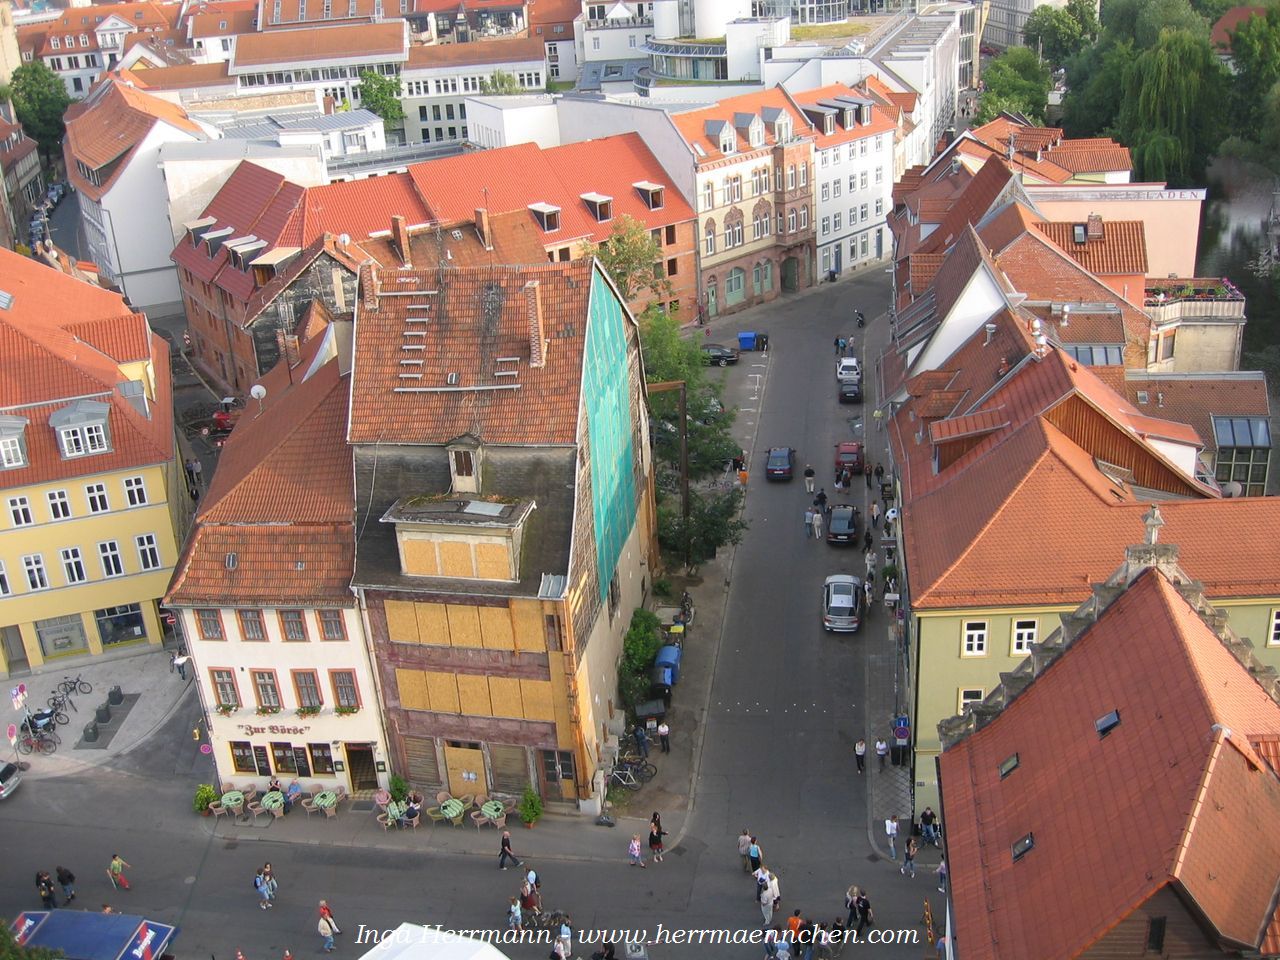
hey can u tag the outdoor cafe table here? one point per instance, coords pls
(233, 798)
(326, 798)
(274, 800)
(493, 809)
(394, 811)
(452, 808)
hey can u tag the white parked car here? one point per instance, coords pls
(842, 604)
(10, 777)
(848, 370)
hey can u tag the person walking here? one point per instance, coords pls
(860, 754)
(642, 740)
(116, 872)
(875, 514)
(325, 929)
(754, 855)
(528, 898)
(67, 881)
(851, 904)
(514, 918)
(272, 884)
(328, 915)
(808, 478)
(882, 750)
(820, 501)
(808, 521)
(871, 558)
(664, 736)
(929, 826)
(866, 472)
(770, 894)
(868, 588)
(633, 851)
(867, 540)
(909, 851)
(44, 886)
(838, 343)
(866, 918)
(744, 845)
(891, 832)
(817, 524)
(656, 833)
(942, 875)
(504, 851)
(879, 472)
(264, 892)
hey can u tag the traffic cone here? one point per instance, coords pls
(287, 956)
(239, 955)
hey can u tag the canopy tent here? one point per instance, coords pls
(81, 935)
(410, 941)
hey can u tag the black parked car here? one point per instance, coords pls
(719, 354)
(851, 393)
(842, 528)
(780, 464)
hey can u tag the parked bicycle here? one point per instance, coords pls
(625, 777)
(44, 742)
(60, 700)
(643, 769)
(69, 686)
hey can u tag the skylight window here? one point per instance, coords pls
(1022, 846)
(1107, 722)
(1008, 766)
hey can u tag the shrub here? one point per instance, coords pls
(399, 788)
(662, 587)
(205, 795)
(639, 648)
(530, 808)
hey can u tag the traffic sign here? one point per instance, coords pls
(902, 732)
(13, 734)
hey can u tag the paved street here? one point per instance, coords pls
(774, 751)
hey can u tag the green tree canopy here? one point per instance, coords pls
(1142, 20)
(632, 258)
(500, 82)
(9, 947)
(1015, 81)
(1085, 13)
(40, 99)
(381, 95)
(1255, 52)
(1095, 88)
(1054, 32)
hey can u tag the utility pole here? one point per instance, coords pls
(666, 386)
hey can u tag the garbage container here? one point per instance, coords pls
(103, 713)
(115, 696)
(746, 341)
(91, 732)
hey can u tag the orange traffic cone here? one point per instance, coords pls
(239, 955)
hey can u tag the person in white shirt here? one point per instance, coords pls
(891, 831)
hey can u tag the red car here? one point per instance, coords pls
(849, 454)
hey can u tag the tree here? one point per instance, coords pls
(1015, 81)
(10, 949)
(1054, 32)
(1085, 14)
(40, 99)
(1255, 52)
(381, 95)
(500, 82)
(714, 520)
(1095, 84)
(632, 259)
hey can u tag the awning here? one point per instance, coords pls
(81, 935)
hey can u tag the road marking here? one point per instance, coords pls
(746, 409)
(758, 365)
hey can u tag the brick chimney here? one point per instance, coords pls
(400, 238)
(537, 339)
(287, 343)
(1094, 229)
(482, 227)
(369, 287)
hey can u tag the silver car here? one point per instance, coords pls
(842, 603)
(10, 777)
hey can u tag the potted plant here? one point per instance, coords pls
(205, 795)
(226, 709)
(530, 808)
(398, 787)
(307, 711)
(346, 711)
(268, 711)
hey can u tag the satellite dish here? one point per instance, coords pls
(1232, 489)
(257, 391)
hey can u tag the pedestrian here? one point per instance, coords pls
(795, 923)
(846, 478)
(514, 920)
(664, 736)
(838, 343)
(867, 540)
(656, 833)
(817, 524)
(328, 915)
(882, 750)
(44, 886)
(929, 826)
(189, 466)
(871, 559)
(808, 521)
(325, 929)
(909, 850)
(67, 881)
(197, 468)
(744, 844)
(772, 935)
(766, 901)
(269, 875)
(808, 478)
(866, 472)
(866, 918)
(879, 471)
(891, 832)
(528, 898)
(868, 588)
(633, 851)
(878, 416)
(642, 740)
(534, 881)
(742, 477)
(504, 851)
(264, 892)
(851, 903)
(942, 875)
(820, 501)
(565, 938)
(116, 872)
(860, 754)
(875, 514)
(180, 661)
(753, 854)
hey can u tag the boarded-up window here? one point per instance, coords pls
(419, 558)
(536, 695)
(510, 766)
(495, 625)
(455, 560)
(443, 688)
(473, 695)
(464, 625)
(526, 615)
(493, 561)
(433, 625)
(504, 693)
(424, 768)
(402, 623)
(412, 685)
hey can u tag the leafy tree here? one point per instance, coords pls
(1054, 32)
(40, 99)
(1015, 81)
(1095, 84)
(1255, 51)
(381, 95)
(9, 947)
(1172, 116)
(714, 520)
(1083, 12)
(500, 82)
(632, 258)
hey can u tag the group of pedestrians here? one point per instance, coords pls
(47, 891)
(816, 513)
(528, 899)
(265, 884)
(860, 753)
(657, 846)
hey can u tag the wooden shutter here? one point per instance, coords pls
(510, 766)
(424, 770)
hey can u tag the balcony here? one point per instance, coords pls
(687, 48)
(618, 23)
(1180, 298)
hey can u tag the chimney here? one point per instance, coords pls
(369, 287)
(991, 329)
(1094, 228)
(533, 307)
(482, 227)
(400, 238)
(287, 343)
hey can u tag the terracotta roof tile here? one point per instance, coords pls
(923, 267)
(1122, 248)
(692, 124)
(547, 12)
(292, 14)
(967, 209)
(1175, 785)
(322, 44)
(539, 405)
(237, 17)
(1195, 399)
(501, 50)
(881, 121)
(1230, 22)
(361, 207)
(1101, 159)
(184, 76)
(120, 337)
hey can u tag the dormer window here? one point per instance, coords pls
(464, 465)
(55, 43)
(214, 240)
(547, 215)
(13, 442)
(828, 124)
(84, 39)
(650, 193)
(727, 141)
(82, 429)
(243, 251)
(601, 207)
(782, 129)
(846, 118)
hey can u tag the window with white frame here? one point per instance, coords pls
(826, 259)
(835, 222)
(1024, 635)
(862, 211)
(853, 216)
(975, 638)
(862, 180)
(879, 175)
(135, 491)
(11, 454)
(826, 191)
(709, 240)
(853, 182)
(5, 589)
(862, 148)
(791, 177)
(791, 221)
(20, 511)
(804, 174)
(59, 505)
(862, 245)
(708, 195)
(109, 554)
(804, 218)
(835, 187)
(879, 209)
(826, 226)
(148, 551)
(97, 496)
(37, 579)
(73, 565)
(853, 149)
(1273, 635)
(966, 696)
(83, 440)
(879, 144)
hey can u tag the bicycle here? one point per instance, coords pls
(625, 777)
(70, 686)
(60, 700)
(42, 743)
(643, 769)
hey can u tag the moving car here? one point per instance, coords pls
(842, 527)
(851, 391)
(849, 454)
(780, 464)
(10, 777)
(719, 354)
(848, 369)
(842, 604)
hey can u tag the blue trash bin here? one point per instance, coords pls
(746, 341)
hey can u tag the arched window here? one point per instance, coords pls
(709, 239)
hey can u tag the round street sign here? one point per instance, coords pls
(13, 733)
(206, 749)
(902, 732)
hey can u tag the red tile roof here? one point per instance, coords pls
(143, 15)
(611, 166)
(692, 124)
(1171, 797)
(970, 206)
(1230, 22)
(361, 207)
(184, 76)
(1195, 399)
(539, 405)
(62, 339)
(389, 39)
(1102, 159)
(501, 50)
(880, 123)
(294, 13)
(544, 13)
(226, 19)
(1122, 248)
